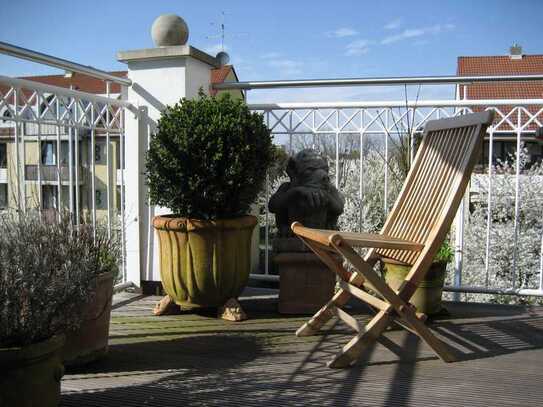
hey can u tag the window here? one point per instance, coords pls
(65, 152)
(48, 153)
(6, 115)
(506, 150)
(49, 195)
(100, 199)
(117, 146)
(3, 155)
(118, 197)
(100, 153)
(3, 196)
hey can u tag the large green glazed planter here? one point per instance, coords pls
(30, 375)
(90, 341)
(204, 263)
(427, 297)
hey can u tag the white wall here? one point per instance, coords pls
(156, 84)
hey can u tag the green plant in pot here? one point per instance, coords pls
(89, 342)
(46, 278)
(427, 297)
(206, 163)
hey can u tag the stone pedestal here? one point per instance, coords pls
(306, 284)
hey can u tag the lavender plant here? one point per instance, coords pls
(47, 274)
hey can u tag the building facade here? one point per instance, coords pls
(516, 63)
(44, 180)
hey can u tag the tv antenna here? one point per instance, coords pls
(222, 31)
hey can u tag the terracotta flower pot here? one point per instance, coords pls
(90, 341)
(427, 297)
(30, 375)
(204, 263)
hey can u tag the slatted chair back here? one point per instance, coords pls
(435, 185)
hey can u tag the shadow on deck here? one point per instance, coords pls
(195, 359)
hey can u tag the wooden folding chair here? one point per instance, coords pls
(412, 234)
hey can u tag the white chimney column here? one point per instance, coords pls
(161, 76)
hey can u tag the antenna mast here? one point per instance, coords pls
(222, 31)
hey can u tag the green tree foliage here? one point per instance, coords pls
(209, 157)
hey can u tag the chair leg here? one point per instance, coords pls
(323, 315)
(439, 347)
(351, 352)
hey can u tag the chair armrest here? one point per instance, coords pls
(371, 240)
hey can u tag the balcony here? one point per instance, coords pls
(49, 174)
(194, 359)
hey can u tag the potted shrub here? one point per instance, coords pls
(427, 297)
(45, 280)
(206, 163)
(89, 341)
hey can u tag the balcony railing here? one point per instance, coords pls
(365, 126)
(50, 173)
(499, 249)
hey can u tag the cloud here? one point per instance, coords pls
(358, 47)
(271, 55)
(417, 32)
(342, 32)
(392, 25)
(287, 67)
(350, 94)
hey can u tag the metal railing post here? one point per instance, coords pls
(137, 224)
(459, 248)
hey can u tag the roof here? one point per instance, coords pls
(502, 65)
(89, 84)
(219, 75)
(80, 82)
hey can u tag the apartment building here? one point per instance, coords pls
(516, 63)
(45, 177)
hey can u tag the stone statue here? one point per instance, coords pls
(309, 197)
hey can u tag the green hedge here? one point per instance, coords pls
(209, 157)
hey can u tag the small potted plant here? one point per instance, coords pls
(45, 280)
(89, 341)
(427, 297)
(206, 163)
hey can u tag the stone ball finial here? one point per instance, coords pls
(168, 30)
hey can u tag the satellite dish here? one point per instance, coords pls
(223, 58)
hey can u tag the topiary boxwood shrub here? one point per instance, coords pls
(208, 158)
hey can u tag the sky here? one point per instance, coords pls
(285, 39)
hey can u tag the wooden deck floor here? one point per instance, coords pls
(192, 359)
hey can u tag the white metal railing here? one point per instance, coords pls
(34, 113)
(382, 121)
(390, 81)
(39, 112)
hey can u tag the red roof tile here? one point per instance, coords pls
(80, 82)
(503, 65)
(219, 75)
